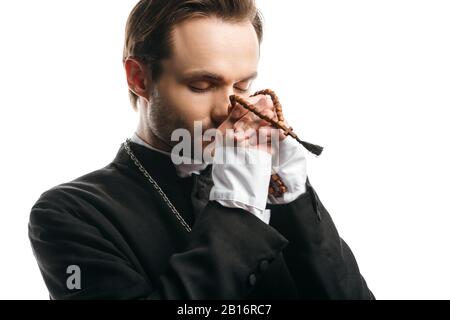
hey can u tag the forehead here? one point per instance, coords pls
(227, 48)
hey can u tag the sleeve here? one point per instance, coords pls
(216, 263)
(321, 263)
(241, 179)
(289, 162)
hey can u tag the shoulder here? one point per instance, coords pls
(84, 193)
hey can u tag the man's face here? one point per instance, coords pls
(211, 60)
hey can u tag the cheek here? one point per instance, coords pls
(189, 105)
(182, 105)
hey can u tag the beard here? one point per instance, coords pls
(163, 123)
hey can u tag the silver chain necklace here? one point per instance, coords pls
(155, 185)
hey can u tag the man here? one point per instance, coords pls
(144, 227)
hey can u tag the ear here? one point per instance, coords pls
(138, 77)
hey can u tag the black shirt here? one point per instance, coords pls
(128, 244)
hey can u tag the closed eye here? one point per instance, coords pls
(244, 86)
(200, 90)
(205, 86)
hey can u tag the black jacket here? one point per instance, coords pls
(128, 244)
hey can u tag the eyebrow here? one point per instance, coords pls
(206, 75)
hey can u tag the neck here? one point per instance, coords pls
(147, 135)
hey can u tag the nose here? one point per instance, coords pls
(219, 112)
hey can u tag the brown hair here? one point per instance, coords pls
(149, 26)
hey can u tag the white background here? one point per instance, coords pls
(368, 80)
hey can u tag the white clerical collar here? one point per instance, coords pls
(183, 170)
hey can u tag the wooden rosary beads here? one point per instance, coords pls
(277, 122)
(276, 187)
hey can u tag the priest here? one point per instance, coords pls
(148, 226)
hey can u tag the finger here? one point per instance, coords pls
(264, 102)
(270, 114)
(260, 102)
(240, 139)
(251, 128)
(265, 106)
(241, 118)
(235, 113)
(265, 135)
(241, 125)
(256, 125)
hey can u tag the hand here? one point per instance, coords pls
(248, 130)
